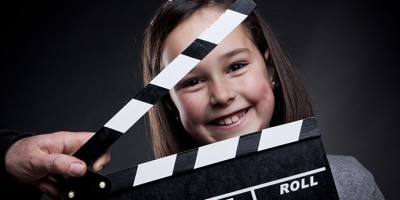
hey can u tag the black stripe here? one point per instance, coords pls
(309, 128)
(185, 161)
(243, 6)
(97, 144)
(123, 179)
(199, 49)
(248, 143)
(151, 94)
(85, 187)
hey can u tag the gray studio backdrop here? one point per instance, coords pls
(71, 65)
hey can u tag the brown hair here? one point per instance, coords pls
(168, 135)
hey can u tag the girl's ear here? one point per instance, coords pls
(266, 54)
(270, 66)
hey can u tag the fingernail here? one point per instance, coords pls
(77, 169)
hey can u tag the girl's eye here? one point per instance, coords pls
(191, 83)
(236, 67)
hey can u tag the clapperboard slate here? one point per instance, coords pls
(282, 162)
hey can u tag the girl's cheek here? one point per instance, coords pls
(260, 88)
(192, 105)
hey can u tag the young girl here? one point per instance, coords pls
(247, 83)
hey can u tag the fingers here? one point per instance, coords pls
(74, 143)
(70, 166)
(64, 165)
(50, 188)
(70, 141)
(102, 161)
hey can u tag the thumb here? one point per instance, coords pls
(65, 165)
(77, 169)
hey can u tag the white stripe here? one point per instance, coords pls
(225, 24)
(270, 183)
(128, 115)
(175, 71)
(216, 152)
(155, 170)
(280, 135)
(253, 195)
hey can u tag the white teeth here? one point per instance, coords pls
(231, 119)
(228, 121)
(235, 119)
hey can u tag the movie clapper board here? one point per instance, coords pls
(282, 162)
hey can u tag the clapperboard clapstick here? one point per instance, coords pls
(75, 188)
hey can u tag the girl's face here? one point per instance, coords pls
(228, 93)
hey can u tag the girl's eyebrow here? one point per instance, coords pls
(234, 52)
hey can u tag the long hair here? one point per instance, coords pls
(168, 135)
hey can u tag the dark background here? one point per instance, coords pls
(71, 65)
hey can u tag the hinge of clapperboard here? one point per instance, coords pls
(93, 183)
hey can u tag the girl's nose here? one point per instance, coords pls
(221, 93)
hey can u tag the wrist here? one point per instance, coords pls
(7, 139)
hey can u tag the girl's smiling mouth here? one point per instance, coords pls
(230, 119)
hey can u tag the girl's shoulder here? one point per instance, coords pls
(352, 179)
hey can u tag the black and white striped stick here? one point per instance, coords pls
(165, 80)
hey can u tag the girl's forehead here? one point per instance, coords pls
(193, 26)
(187, 31)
